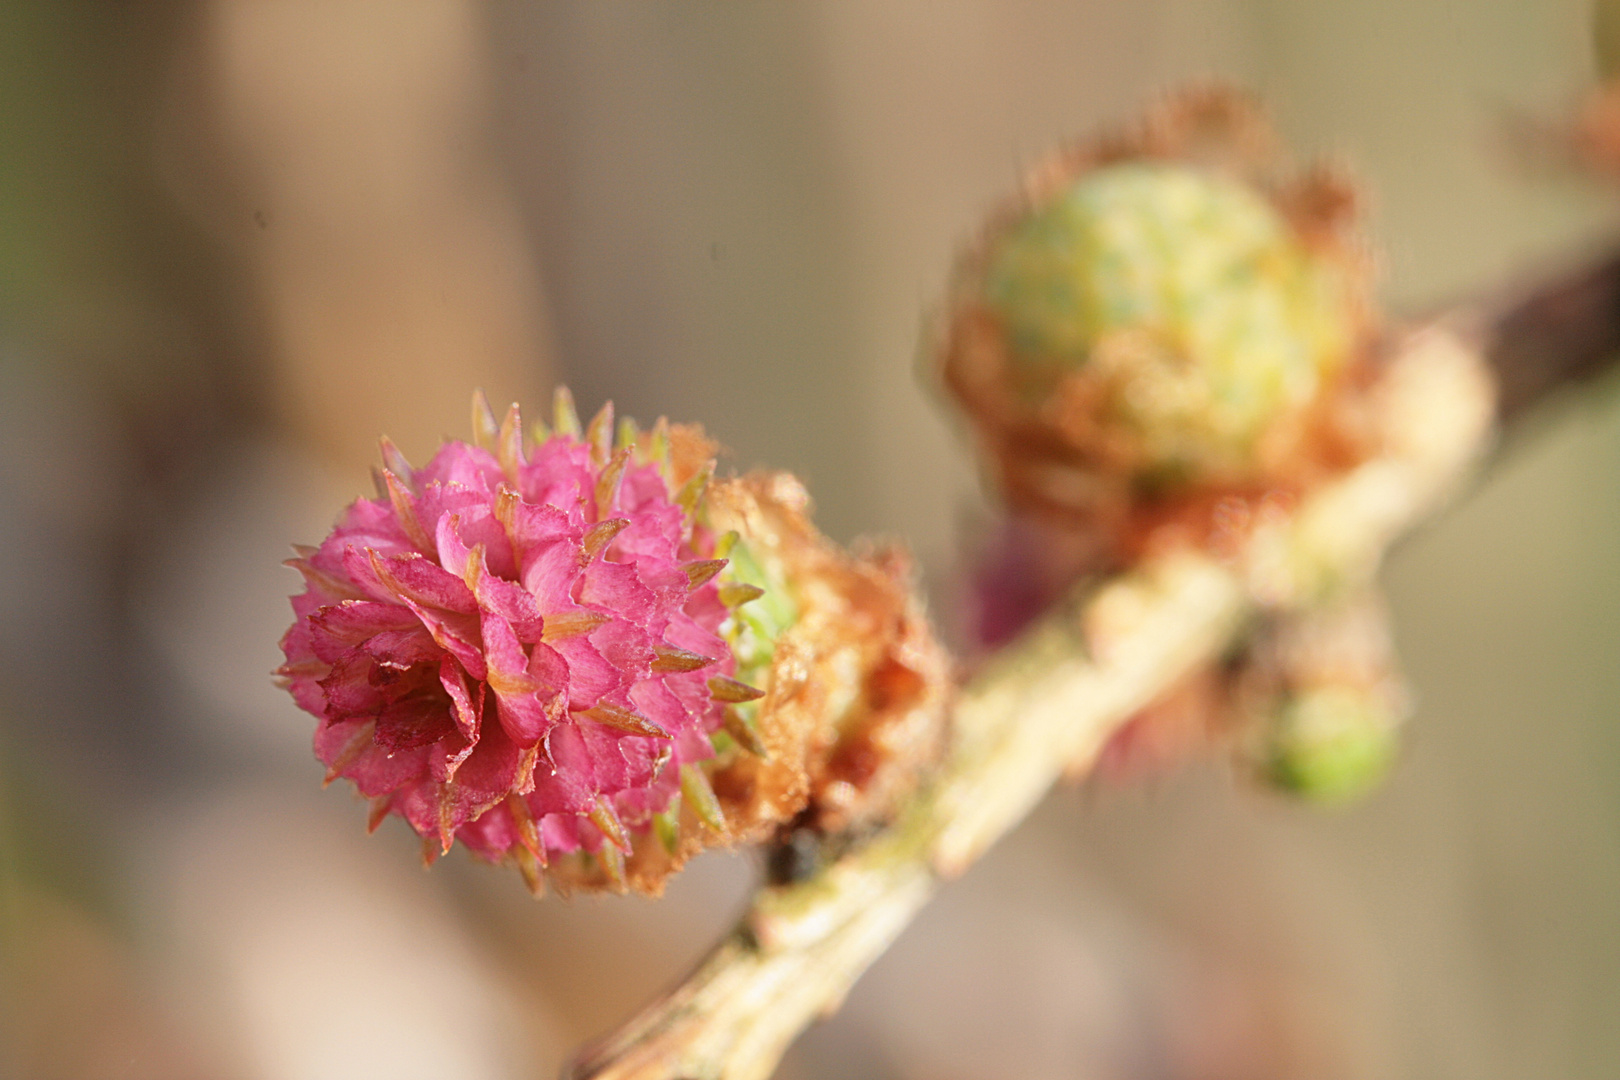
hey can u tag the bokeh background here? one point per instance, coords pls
(240, 239)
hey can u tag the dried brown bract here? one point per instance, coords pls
(853, 713)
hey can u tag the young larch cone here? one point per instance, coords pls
(1154, 319)
(532, 646)
(1321, 701)
(1311, 705)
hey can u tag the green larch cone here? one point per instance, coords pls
(1154, 318)
(1322, 701)
(1184, 292)
(1331, 744)
(1311, 704)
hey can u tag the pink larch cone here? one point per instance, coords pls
(513, 645)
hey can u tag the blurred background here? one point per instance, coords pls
(238, 240)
